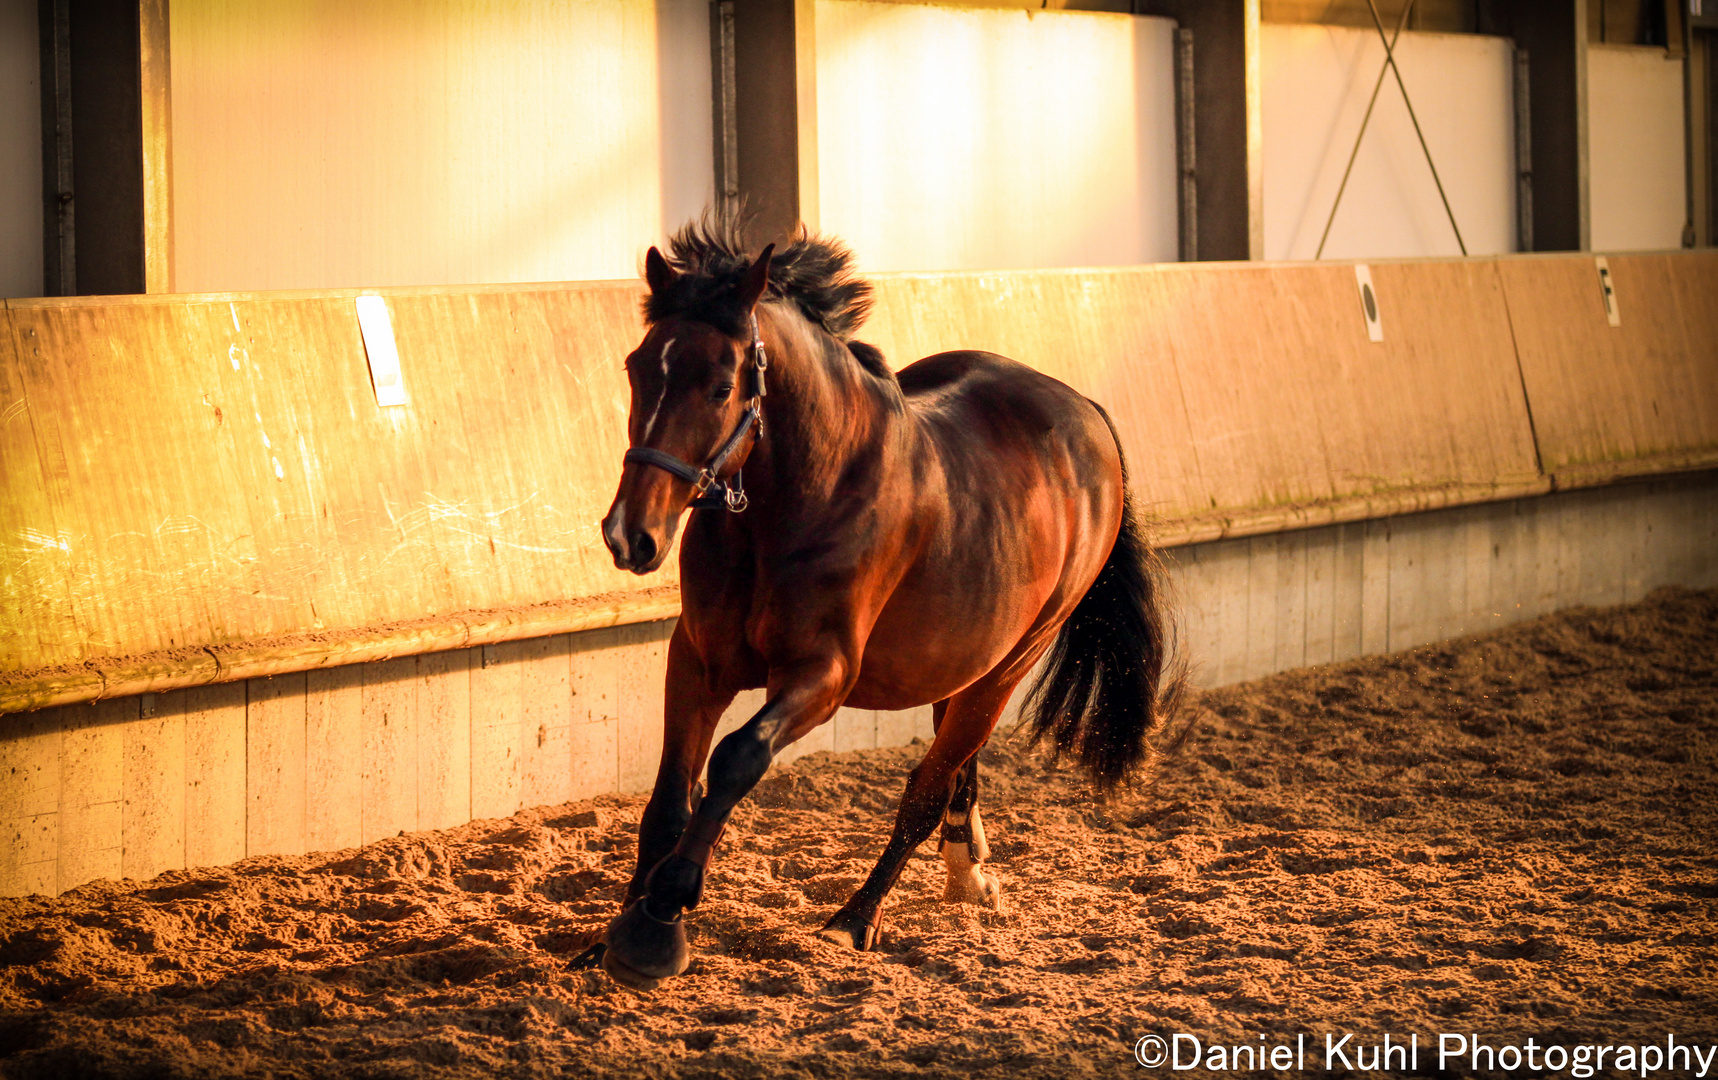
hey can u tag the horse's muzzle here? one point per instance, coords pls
(633, 549)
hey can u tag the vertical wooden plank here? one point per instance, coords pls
(641, 681)
(274, 766)
(1261, 600)
(91, 790)
(1407, 600)
(153, 820)
(1291, 601)
(214, 772)
(497, 708)
(1375, 588)
(29, 802)
(1230, 565)
(1667, 536)
(1187, 599)
(388, 718)
(1320, 596)
(595, 759)
(1443, 571)
(594, 661)
(1504, 603)
(546, 698)
(854, 729)
(821, 737)
(333, 758)
(902, 727)
(1476, 580)
(1696, 516)
(1633, 523)
(1660, 529)
(1548, 558)
(444, 739)
(1606, 536)
(1571, 581)
(1419, 562)
(1348, 578)
(1532, 555)
(1703, 502)
(746, 704)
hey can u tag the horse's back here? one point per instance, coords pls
(973, 402)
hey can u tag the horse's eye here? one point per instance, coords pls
(721, 392)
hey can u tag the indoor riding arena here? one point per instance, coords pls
(374, 703)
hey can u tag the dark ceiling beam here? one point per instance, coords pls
(775, 115)
(104, 146)
(1554, 35)
(1227, 129)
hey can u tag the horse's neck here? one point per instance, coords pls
(819, 414)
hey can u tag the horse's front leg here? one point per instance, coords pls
(691, 710)
(647, 942)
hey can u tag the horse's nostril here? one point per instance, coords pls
(643, 548)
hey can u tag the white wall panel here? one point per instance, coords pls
(20, 150)
(961, 138)
(1316, 81)
(1634, 131)
(321, 143)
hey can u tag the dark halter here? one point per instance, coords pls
(729, 494)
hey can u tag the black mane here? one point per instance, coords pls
(813, 273)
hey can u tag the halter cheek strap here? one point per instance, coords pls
(727, 494)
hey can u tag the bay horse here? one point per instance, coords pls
(892, 541)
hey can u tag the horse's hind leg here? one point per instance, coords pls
(964, 723)
(964, 850)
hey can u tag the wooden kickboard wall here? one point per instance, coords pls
(1249, 397)
(193, 480)
(186, 472)
(335, 758)
(1633, 399)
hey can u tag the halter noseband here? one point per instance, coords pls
(731, 495)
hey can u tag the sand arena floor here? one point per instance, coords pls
(1512, 836)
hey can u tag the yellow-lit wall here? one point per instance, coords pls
(966, 138)
(1634, 131)
(1316, 83)
(331, 143)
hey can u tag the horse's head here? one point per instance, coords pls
(687, 402)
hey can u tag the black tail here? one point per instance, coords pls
(1111, 680)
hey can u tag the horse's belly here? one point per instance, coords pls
(926, 647)
(929, 668)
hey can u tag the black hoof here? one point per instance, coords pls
(627, 977)
(643, 950)
(852, 930)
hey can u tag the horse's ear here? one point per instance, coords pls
(657, 272)
(756, 281)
